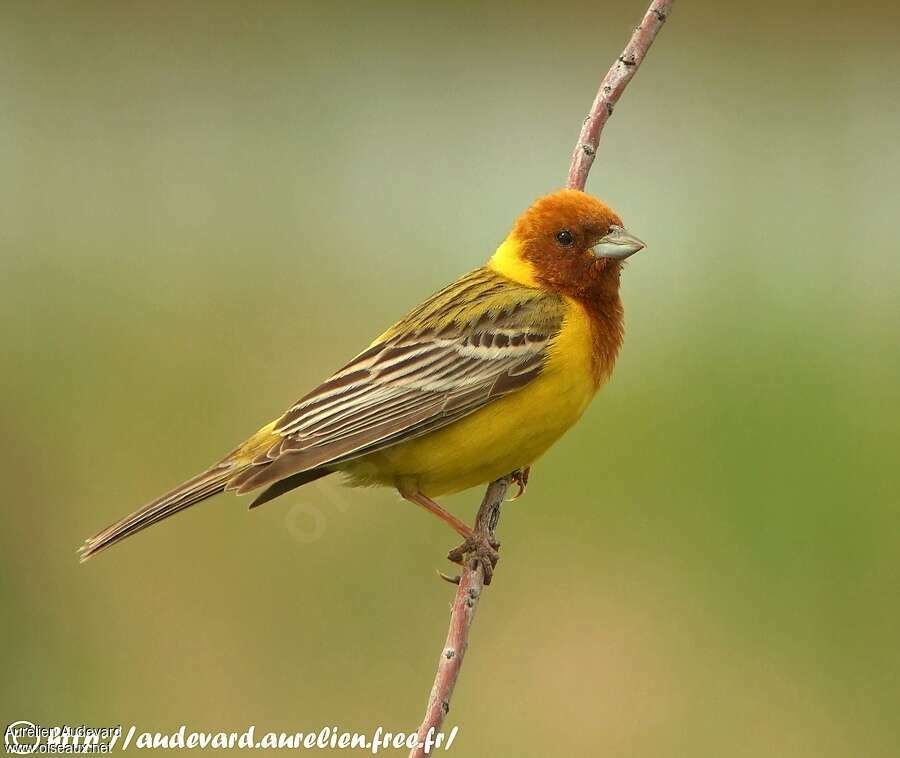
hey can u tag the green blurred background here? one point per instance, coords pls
(206, 207)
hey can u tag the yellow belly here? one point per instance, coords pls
(507, 434)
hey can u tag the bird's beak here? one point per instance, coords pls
(618, 244)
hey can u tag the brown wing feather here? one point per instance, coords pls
(479, 339)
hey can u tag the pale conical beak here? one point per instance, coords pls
(618, 244)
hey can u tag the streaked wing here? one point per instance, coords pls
(479, 339)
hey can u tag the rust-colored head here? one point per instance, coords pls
(569, 242)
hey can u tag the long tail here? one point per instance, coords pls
(251, 455)
(210, 482)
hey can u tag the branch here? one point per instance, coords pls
(462, 613)
(611, 89)
(472, 581)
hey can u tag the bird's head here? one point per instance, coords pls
(568, 242)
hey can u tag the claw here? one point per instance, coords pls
(520, 478)
(447, 577)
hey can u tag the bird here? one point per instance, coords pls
(475, 383)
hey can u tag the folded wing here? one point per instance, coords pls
(479, 339)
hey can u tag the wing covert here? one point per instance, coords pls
(479, 339)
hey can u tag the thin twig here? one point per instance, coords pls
(462, 613)
(471, 582)
(611, 88)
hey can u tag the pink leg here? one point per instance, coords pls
(459, 526)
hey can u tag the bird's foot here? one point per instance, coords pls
(478, 550)
(520, 479)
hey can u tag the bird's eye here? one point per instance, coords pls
(565, 238)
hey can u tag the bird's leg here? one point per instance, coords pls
(458, 525)
(520, 479)
(478, 546)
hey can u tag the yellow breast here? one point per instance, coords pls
(507, 434)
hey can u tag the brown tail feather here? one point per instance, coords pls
(288, 484)
(210, 482)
